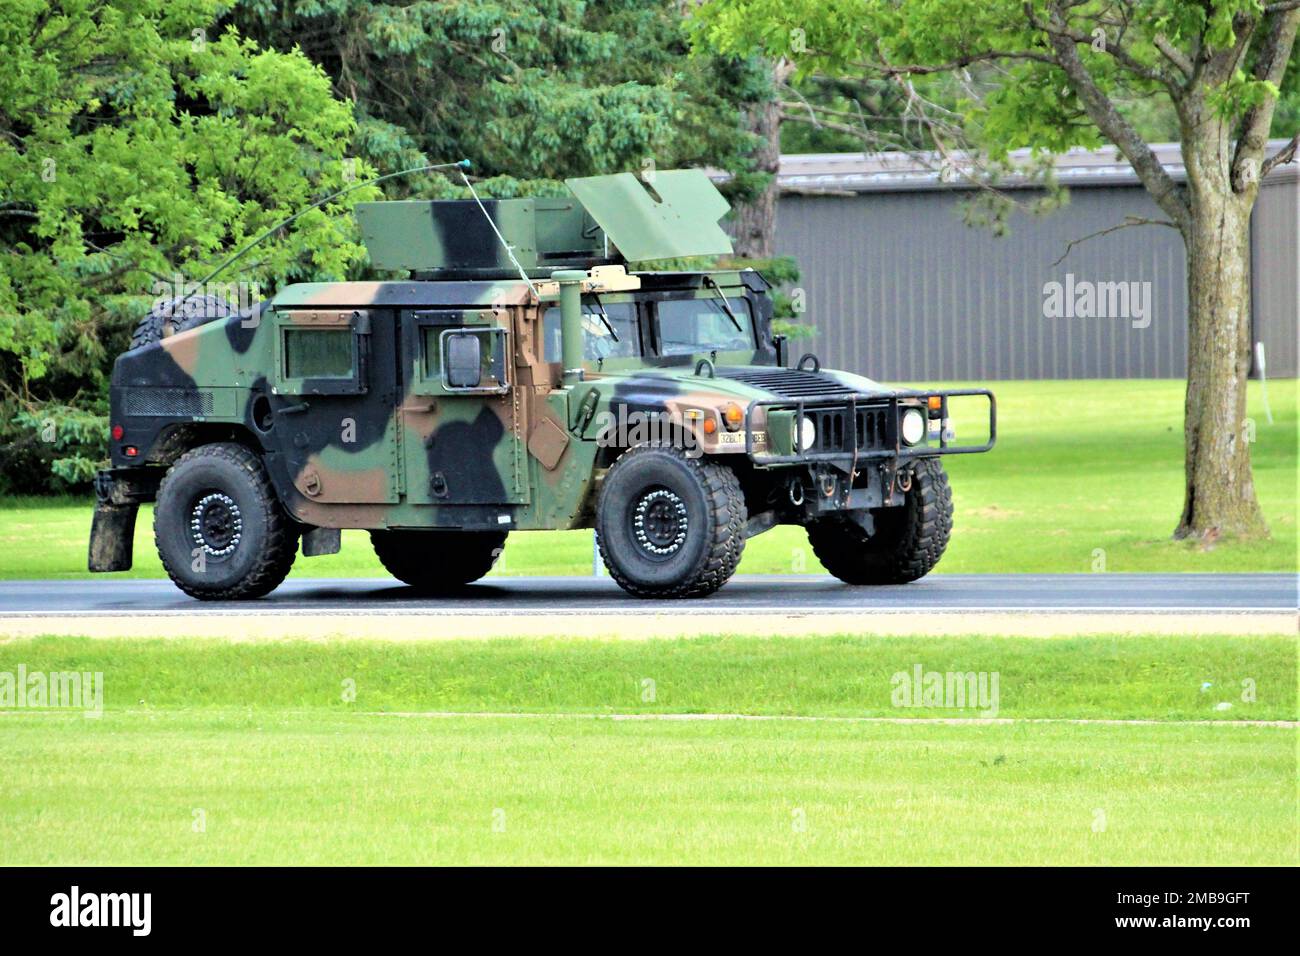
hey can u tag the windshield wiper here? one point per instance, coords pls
(604, 317)
(726, 306)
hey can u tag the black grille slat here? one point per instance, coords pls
(833, 429)
(819, 390)
(167, 402)
(788, 382)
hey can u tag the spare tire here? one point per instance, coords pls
(177, 315)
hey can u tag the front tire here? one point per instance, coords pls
(438, 562)
(909, 539)
(669, 525)
(219, 528)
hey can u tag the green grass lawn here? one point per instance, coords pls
(1086, 475)
(258, 744)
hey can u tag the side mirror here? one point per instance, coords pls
(462, 360)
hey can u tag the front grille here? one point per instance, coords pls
(167, 402)
(788, 382)
(872, 431)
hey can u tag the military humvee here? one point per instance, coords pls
(521, 378)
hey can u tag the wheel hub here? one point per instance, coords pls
(216, 524)
(659, 522)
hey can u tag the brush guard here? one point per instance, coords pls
(855, 444)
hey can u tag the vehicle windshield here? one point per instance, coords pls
(619, 340)
(687, 326)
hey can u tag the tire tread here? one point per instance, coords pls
(896, 555)
(726, 504)
(281, 549)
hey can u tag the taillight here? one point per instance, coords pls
(118, 432)
(130, 451)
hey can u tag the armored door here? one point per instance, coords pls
(461, 413)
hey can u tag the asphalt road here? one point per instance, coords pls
(800, 594)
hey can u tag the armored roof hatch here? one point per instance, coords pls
(675, 214)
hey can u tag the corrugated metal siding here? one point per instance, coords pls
(898, 288)
(1275, 275)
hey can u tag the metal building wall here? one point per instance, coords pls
(898, 288)
(1275, 272)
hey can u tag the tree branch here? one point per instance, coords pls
(1174, 55)
(969, 59)
(1119, 131)
(1283, 156)
(1059, 28)
(1270, 66)
(1128, 221)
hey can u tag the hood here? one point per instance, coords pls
(743, 383)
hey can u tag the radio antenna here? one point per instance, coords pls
(462, 165)
(523, 274)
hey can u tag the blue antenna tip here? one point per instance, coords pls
(465, 164)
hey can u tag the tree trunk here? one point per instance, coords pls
(755, 220)
(1220, 492)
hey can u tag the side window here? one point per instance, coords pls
(318, 353)
(598, 342)
(321, 353)
(455, 350)
(472, 359)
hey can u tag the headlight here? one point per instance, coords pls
(807, 434)
(913, 426)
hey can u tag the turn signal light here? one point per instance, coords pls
(710, 426)
(733, 416)
(935, 402)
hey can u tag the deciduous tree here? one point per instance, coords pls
(1065, 68)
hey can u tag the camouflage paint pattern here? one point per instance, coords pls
(341, 388)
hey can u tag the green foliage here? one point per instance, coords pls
(1032, 103)
(139, 144)
(68, 443)
(531, 91)
(142, 141)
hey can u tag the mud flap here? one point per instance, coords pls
(112, 534)
(318, 541)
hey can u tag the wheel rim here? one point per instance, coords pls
(659, 523)
(216, 524)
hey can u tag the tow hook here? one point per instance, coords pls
(796, 492)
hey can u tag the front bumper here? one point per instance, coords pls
(856, 429)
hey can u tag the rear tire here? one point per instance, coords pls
(179, 315)
(219, 528)
(438, 562)
(669, 525)
(909, 539)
